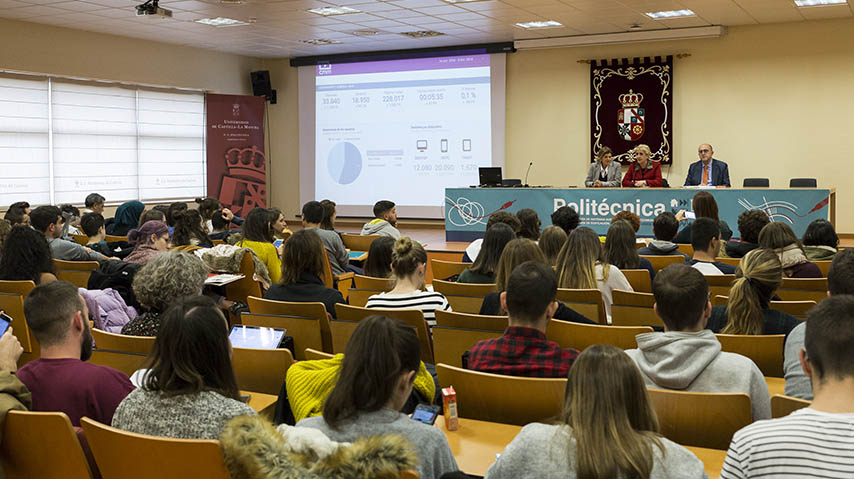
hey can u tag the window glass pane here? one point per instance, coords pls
(171, 145)
(24, 154)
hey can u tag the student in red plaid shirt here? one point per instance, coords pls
(524, 350)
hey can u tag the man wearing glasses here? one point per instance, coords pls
(708, 171)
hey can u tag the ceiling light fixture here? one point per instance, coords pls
(464, 1)
(624, 37)
(327, 11)
(540, 24)
(321, 41)
(365, 33)
(819, 3)
(422, 34)
(221, 22)
(670, 14)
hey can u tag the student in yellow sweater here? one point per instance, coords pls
(258, 235)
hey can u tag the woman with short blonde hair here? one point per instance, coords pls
(643, 172)
(607, 429)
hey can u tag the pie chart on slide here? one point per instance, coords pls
(345, 163)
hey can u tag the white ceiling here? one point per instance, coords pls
(282, 26)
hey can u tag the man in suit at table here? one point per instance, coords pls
(708, 171)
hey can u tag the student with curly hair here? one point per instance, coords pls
(165, 279)
(26, 257)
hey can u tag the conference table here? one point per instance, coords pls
(467, 209)
(476, 443)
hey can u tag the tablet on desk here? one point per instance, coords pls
(256, 337)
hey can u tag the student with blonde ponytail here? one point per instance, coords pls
(581, 265)
(607, 429)
(380, 367)
(757, 277)
(409, 268)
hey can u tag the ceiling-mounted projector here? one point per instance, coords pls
(152, 8)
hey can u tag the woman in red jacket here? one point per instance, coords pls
(643, 172)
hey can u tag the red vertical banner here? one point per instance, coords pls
(236, 159)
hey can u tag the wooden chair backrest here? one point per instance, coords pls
(782, 406)
(503, 399)
(359, 297)
(123, 342)
(456, 319)
(312, 354)
(443, 270)
(82, 239)
(685, 248)
(341, 332)
(41, 445)
(123, 361)
(412, 317)
(631, 308)
(824, 266)
(798, 309)
(328, 278)
(218, 242)
(765, 350)
(449, 288)
(75, 272)
(449, 344)
(803, 289)
(261, 370)
(661, 262)
(314, 310)
(729, 261)
(587, 302)
(465, 304)
(12, 294)
(356, 242)
(367, 282)
(639, 279)
(112, 238)
(720, 284)
(409, 474)
(700, 419)
(306, 331)
(580, 336)
(247, 286)
(165, 458)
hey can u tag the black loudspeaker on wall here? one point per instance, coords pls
(261, 85)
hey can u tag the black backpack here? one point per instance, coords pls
(117, 275)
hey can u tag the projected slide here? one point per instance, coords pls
(401, 129)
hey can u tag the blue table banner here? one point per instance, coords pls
(467, 209)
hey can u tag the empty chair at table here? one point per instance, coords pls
(607, 429)
(189, 390)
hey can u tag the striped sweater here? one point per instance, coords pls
(427, 301)
(804, 444)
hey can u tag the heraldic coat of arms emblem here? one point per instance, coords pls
(630, 118)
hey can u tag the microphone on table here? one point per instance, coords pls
(527, 173)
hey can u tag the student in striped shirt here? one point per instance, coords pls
(409, 267)
(817, 441)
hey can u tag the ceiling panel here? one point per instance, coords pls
(282, 27)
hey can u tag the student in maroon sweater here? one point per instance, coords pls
(61, 379)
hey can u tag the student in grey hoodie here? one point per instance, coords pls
(840, 280)
(688, 357)
(384, 222)
(664, 227)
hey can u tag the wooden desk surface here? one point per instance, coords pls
(263, 404)
(476, 443)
